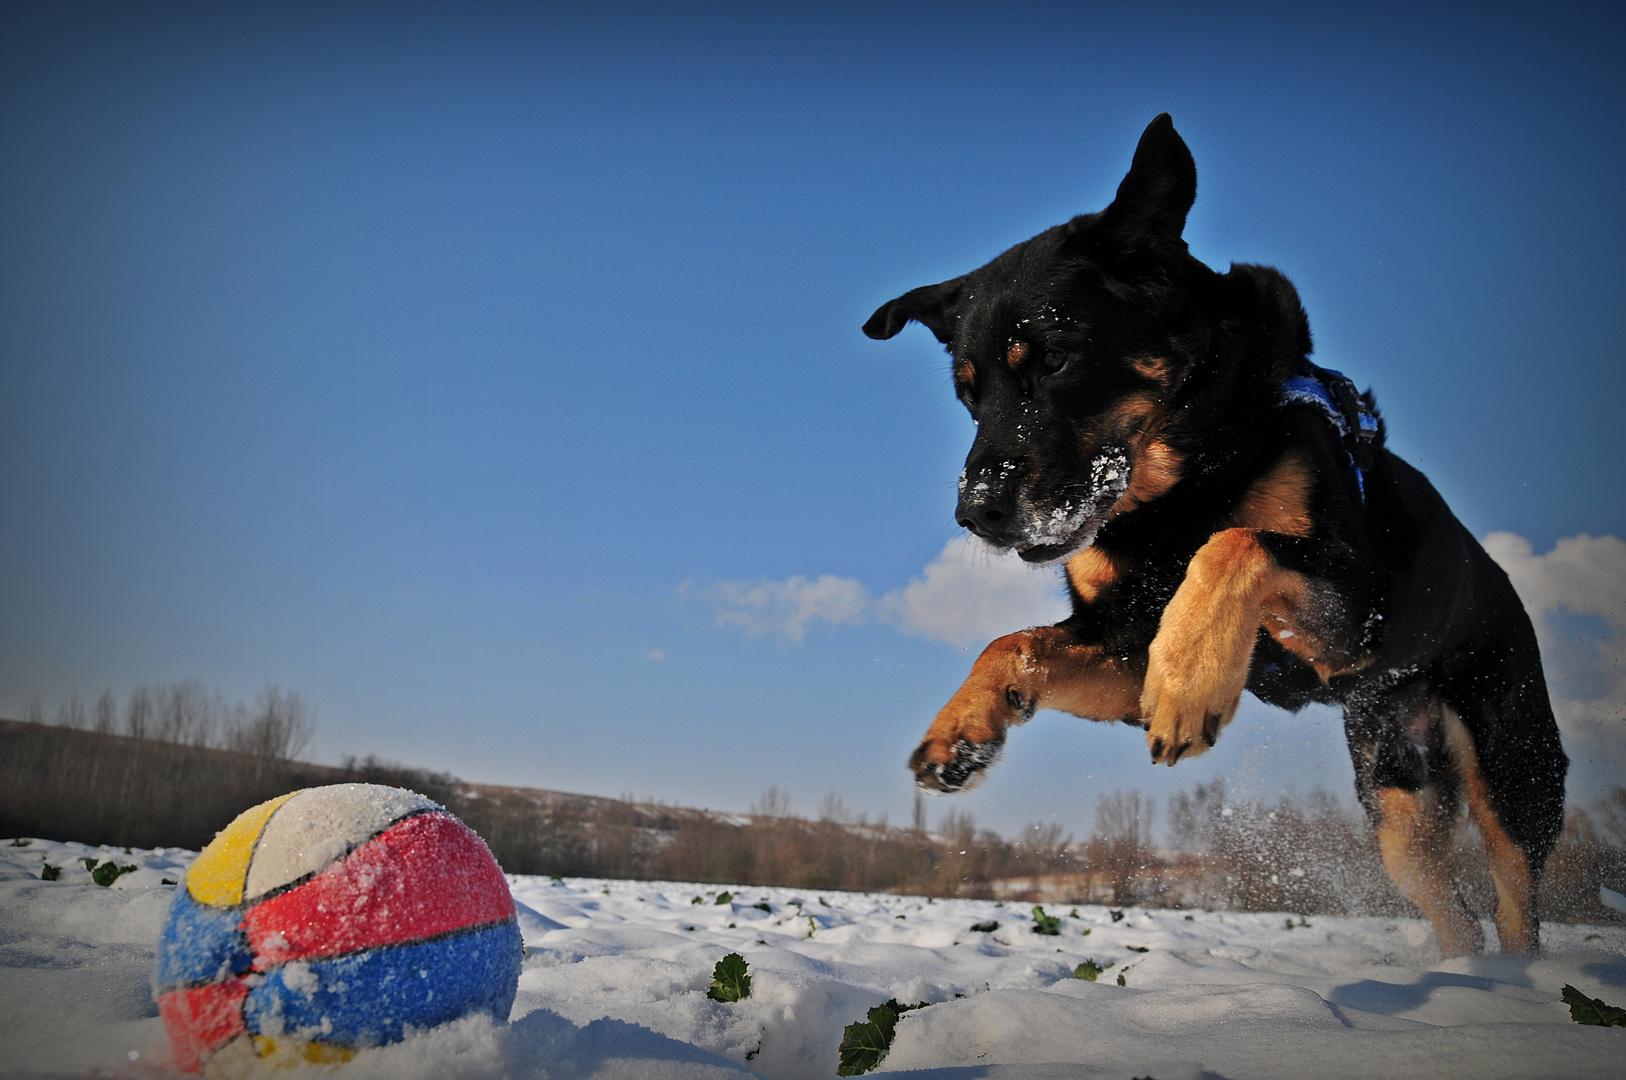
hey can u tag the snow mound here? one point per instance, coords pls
(615, 974)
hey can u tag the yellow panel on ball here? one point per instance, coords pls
(217, 875)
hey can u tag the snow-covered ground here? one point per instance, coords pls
(615, 978)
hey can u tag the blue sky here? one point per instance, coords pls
(467, 367)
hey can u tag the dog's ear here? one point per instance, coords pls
(1153, 200)
(1275, 316)
(933, 306)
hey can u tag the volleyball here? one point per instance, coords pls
(329, 920)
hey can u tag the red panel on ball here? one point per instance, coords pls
(427, 875)
(202, 1019)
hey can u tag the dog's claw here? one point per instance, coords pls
(954, 774)
(1211, 726)
(1157, 750)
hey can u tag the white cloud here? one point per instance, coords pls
(1576, 596)
(967, 596)
(970, 595)
(787, 607)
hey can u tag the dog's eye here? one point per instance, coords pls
(1055, 360)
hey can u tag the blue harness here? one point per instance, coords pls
(1332, 394)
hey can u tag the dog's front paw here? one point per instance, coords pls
(950, 769)
(969, 731)
(1183, 714)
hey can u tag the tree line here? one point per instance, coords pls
(175, 764)
(278, 723)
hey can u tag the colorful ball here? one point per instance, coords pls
(331, 919)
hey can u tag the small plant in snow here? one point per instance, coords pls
(50, 873)
(762, 905)
(696, 900)
(723, 898)
(865, 1042)
(985, 927)
(729, 981)
(21, 842)
(1048, 925)
(109, 872)
(812, 927)
(1585, 1010)
(1089, 971)
(1117, 916)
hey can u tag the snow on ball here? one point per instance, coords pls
(331, 919)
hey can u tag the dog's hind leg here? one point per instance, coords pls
(1515, 878)
(1042, 668)
(1414, 830)
(1404, 778)
(1505, 743)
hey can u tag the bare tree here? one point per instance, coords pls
(1122, 844)
(139, 721)
(1191, 815)
(71, 713)
(107, 713)
(833, 811)
(36, 710)
(1125, 818)
(187, 713)
(774, 803)
(279, 726)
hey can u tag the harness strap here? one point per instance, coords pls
(1333, 395)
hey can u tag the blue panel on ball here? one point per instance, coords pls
(200, 943)
(369, 998)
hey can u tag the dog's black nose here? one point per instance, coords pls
(987, 505)
(982, 519)
(988, 491)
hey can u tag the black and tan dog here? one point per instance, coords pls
(1229, 519)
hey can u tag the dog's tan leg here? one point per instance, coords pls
(1041, 668)
(1516, 925)
(1413, 827)
(1198, 662)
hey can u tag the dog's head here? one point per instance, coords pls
(1072, 352)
